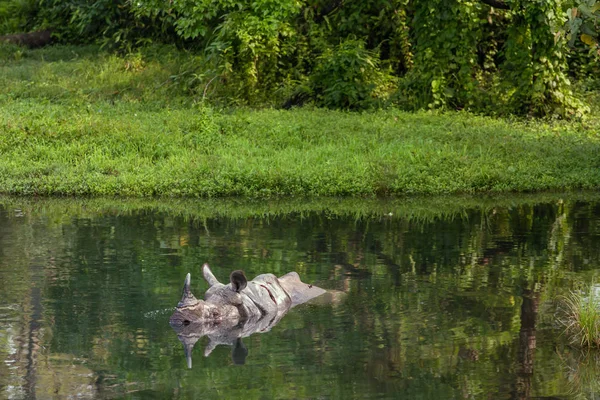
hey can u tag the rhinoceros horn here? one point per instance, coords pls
(187, 298)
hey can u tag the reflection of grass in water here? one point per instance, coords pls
(583, 370)
(416, 209)
(582, 318)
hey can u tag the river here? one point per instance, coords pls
(444, 298)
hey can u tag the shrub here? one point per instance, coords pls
(347, 76)
(457, 54)
(15, 15)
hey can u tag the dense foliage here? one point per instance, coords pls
(512, 56)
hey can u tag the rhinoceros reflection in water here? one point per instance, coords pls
(231, 312)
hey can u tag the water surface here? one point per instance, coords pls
(451, 299)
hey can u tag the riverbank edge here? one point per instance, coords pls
(414, 208)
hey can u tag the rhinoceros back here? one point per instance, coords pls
(266, 293)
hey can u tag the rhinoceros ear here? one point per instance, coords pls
(238, 281)
(239, 352)
(209, 276)
(187, 298)
(210, 346)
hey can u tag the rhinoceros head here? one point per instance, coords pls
(221, 302)
(236, 310)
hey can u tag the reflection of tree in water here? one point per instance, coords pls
(27, 262)
(435, 305)
(514, 245)
(527, 344)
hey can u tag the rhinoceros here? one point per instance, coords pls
(236, 310)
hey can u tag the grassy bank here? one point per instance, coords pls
(76, 121)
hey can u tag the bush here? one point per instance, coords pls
(449, 54)
(15, 15)
(347, 77)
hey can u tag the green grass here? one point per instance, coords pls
(79, 121)
(582, 318)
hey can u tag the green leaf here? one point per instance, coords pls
(587, 39)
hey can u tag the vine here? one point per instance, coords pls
(446, 36)
(535, 67)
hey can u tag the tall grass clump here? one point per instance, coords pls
(581, 318)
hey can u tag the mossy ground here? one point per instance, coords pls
(80, 121)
